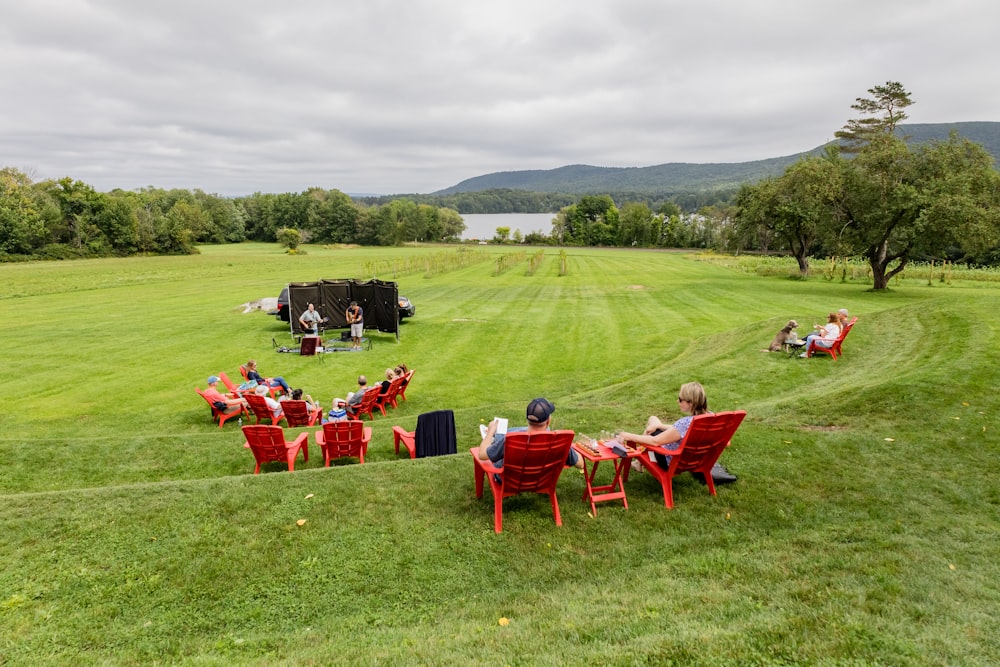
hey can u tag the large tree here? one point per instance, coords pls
(900, 202)
(23, 213)
(794, 208)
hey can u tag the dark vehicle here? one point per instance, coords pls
(283, 313)
(406, 308)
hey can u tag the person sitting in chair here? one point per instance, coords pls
(353, 398)
(383, 386)
(539, 414)
(255, 376)
(299, 395)
(825, 334)
(273, 406)
(225, 404)
(692, 399)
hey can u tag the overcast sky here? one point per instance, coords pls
(411, 96)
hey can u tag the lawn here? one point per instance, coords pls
(863, 529)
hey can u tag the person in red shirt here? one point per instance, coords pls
(227, 404)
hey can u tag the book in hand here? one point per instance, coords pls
(501, 424)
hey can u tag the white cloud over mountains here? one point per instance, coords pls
(412, 96)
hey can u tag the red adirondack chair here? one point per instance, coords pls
(389, 397)
(260, 410)
(366, 406)
(268, 444)
(405, 384)
(435, 432)
(230, 387)
(221, 415)
(346, 438)
(297, 413)
(834, 349)
(701, 447)
(531, 463)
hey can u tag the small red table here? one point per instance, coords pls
(616, 489)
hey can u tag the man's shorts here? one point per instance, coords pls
(357, 330)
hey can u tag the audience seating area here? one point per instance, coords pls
(532, 463)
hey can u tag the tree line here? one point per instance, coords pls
(66, 218)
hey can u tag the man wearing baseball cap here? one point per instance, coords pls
(226, 404)
(539, 413)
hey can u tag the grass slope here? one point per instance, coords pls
(862, 531)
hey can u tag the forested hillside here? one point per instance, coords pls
(671, 179)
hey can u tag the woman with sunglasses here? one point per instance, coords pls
(691, 399)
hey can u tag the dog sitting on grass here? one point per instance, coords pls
(783, 337)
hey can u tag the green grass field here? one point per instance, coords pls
(863, 530)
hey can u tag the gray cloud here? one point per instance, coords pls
(390, 96)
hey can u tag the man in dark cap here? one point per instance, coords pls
(539, 413)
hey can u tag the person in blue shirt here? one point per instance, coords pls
(691, 399)
(539, 414)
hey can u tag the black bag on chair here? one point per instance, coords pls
(435, 434)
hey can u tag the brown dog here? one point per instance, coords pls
(783, 336)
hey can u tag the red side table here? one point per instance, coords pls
(595, 453)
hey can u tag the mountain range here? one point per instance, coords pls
(690, 177)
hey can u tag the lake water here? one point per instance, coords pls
(484, 225)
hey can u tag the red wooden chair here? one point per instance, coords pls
(405, 384)
(230, 387)
(366, 407)
(340, 439)
(408, 439)
(434, 435)
(268, 444)
(389, 397)
(274, 391)
(701, 447)
(260, 410)
(834, 349)
(221, 415)
(297, 413)
(530, 464)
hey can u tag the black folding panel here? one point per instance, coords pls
(300, 295)
(385, 306)
(336, 299)
(378, 298)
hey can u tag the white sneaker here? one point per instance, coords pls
(483, 430)
(802, 356)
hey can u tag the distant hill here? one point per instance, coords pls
(678, 177)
